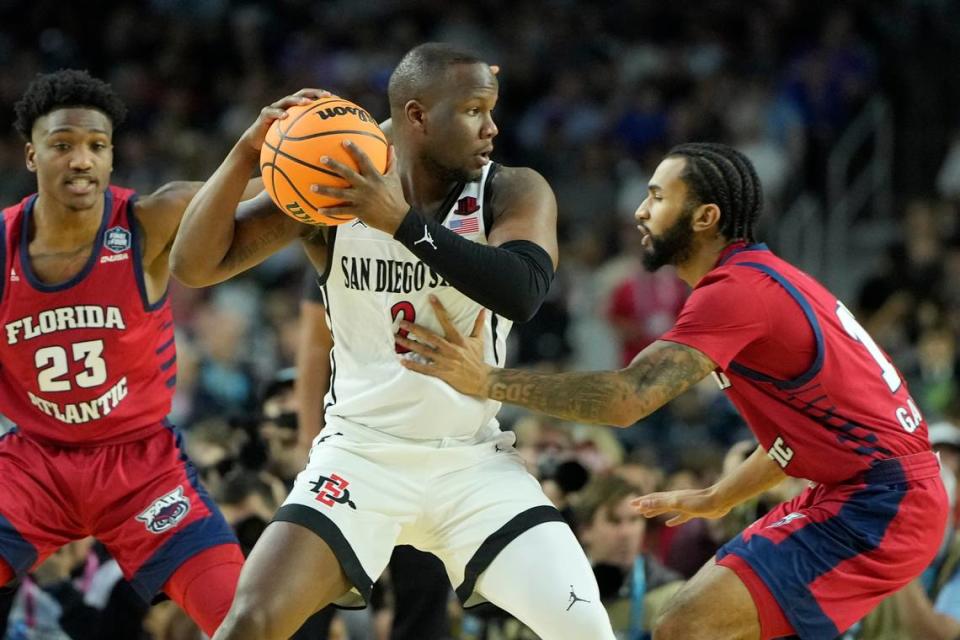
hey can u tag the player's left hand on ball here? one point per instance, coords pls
(375, 198)
(454, 358)
(254, 135)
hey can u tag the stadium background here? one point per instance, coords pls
(848, 109)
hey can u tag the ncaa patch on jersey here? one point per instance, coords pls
(166, 512)
(116, 239)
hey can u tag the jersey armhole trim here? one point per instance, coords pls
(798, 297)
(487, 200)
(138, 271)
(331, 243)
(332, 389)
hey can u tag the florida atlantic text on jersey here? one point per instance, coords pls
(89, 360)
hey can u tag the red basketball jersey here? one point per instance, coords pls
(88, 360)
(822, 398)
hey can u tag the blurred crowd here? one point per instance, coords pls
(592, 95)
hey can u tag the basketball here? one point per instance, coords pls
(290, 157)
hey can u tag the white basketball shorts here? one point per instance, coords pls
(462, 502)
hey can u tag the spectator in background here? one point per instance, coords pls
(948, 177)
(934, 371)
(945, 439)
(45, 595)
(643, 306)
(279, 426)
(226, 384)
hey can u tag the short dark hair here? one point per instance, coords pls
(66, 88)
(602, 492)
(719, 174)
(420, 68)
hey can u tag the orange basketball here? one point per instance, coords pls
(290, 157)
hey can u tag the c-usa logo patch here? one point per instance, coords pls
(116, 239)
(166, 512)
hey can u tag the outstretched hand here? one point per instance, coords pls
(257, 132)
(454, 358)
(375, 198)
(686, 504)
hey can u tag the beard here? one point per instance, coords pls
(674, 247)
(450, 174)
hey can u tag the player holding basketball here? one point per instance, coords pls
(88, 364)
(404, 459)
(824, 401)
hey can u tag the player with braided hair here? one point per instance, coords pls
(712, 171)
(824, 401)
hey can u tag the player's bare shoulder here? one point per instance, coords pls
(513, 185)
(158, 216)
(524, 207)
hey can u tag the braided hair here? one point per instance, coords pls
(62, 89)
(719, 174)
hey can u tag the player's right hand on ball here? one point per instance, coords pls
(254, 136)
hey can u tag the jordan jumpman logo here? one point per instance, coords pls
(574, 599)
(426, 238)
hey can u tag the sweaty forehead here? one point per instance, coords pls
(73, 119)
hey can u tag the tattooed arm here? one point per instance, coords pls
(220, 236)
(658, 374)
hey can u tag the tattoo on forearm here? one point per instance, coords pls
(240, 254)
(606, 397)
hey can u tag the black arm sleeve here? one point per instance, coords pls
(511, 280)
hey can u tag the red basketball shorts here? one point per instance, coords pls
(820, 562)
(141, 499)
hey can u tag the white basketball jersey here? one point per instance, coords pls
(372, 282)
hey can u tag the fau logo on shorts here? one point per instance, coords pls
(332, 490)
(116, 239)
(166, 512)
